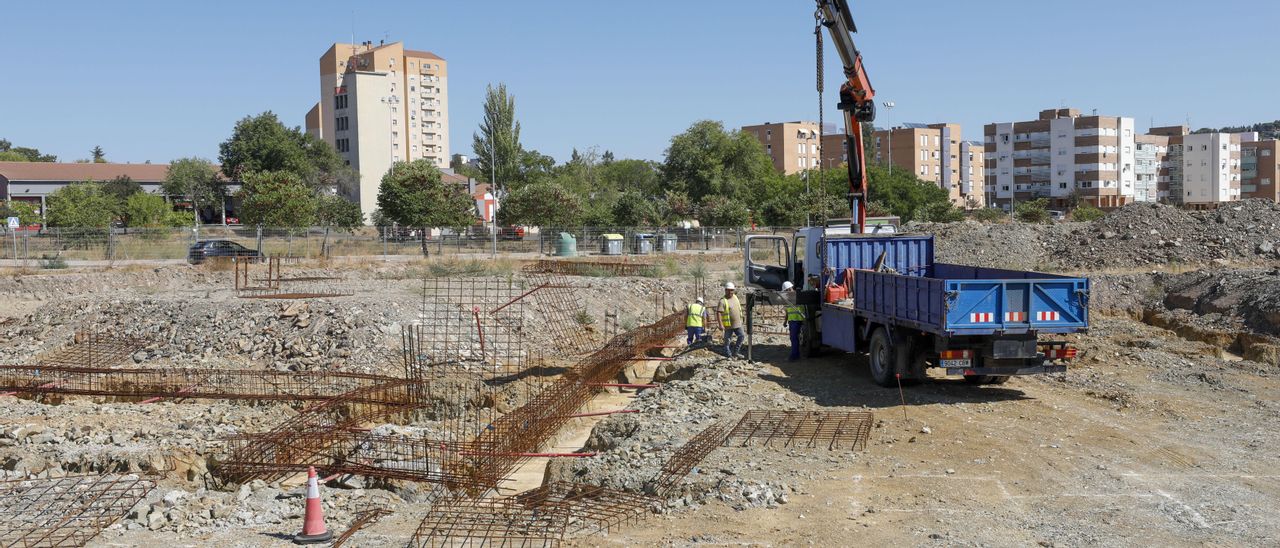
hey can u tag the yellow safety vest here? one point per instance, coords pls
(726, 319)
(695, 315)
(795, 313)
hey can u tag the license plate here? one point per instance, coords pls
(955, 363)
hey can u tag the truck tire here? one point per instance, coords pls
(999, 379)
(904, 358)
(810, 342)
(881, 358)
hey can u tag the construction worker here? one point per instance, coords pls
(795, 319)
(731, 319)
(694, 321)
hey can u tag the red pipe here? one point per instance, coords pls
(598, 413)
(622, 385)
(45, 385)
(476, 453)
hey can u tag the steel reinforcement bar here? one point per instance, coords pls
(228, 384)
(67, 511)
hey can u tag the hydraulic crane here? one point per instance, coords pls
(857, 101)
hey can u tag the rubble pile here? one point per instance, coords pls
(346, 335)
(1137, 235)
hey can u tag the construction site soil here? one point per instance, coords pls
(1162, 432)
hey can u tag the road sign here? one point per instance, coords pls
(13, 222)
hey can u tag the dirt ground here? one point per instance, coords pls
(1149, 438)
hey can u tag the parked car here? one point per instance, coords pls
(205, 249)
(1057, 215)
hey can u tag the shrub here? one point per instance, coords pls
(1033, 211)
(938, 212)
(52, 262)
(989, 215)
(1086, 212)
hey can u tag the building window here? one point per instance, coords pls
(800, 148)
(340, 101)
(802, 163)
(341, 123)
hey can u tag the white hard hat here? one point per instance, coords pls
(729, 285)
(787, 285)
(699, 299)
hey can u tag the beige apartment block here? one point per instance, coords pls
(381, 104)
(1061, 156)
(793, 146)
(936, 153)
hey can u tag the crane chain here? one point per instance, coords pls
(817, 34)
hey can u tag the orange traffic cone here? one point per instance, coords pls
(313, 529)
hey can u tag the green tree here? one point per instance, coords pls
(541, 204)
(642, 176)
(99, 157)
(194, 178)
(414, 195)
(1032, 211)
(10, 153)
(715, 210)
(903, 193)
(146, 210)
(989, 215)
(938, 212)
(81, 205)
(707, 160)
(1086, 212)
(338, 212)
(276, 199)
(635, 209)
(24, 211)
(262, 143)
(122, 187)
(497, 146)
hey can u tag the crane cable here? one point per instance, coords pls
(817, 34)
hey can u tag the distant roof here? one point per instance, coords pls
(453, 177)
(420, 53)
(915, 125)
(49, 171)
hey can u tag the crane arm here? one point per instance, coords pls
(857, 101)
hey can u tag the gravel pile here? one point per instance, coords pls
(285, 335)
(1136, 235)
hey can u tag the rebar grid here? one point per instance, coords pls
(303, 438)
(411, 458)
(563, 313)
(229, 384)
(67, 511)
(471, 320)
(93, 349)
(591, 268)
(590, 508)
(270, 286)
(768, 319)
(526, 428)
(462, 521)
(687, 457)
(807, 429)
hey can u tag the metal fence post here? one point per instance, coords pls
(111, 240)
(383, 230)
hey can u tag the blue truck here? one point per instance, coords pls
(886, 296)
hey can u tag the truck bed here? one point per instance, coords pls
(953, 299)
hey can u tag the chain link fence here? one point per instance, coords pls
(173, 243)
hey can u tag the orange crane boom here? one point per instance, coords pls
(857, 101)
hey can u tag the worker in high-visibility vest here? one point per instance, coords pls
(694, 320)
(731, 320)
(795, 319)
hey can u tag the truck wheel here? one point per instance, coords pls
(999, 379)
(881, 356)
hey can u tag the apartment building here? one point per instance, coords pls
(1210, 169)
(1259, 171)
(936, 153)
(1060, 155)
(793, 146)
(381, 104)
(1151, 168)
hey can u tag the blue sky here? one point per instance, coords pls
(162, 80)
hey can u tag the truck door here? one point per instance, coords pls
(766, 261)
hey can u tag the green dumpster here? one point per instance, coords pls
(566, 245)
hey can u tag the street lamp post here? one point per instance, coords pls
(493, 190)
(888, 107)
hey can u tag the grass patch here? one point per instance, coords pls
(584, 318)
